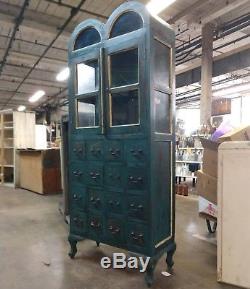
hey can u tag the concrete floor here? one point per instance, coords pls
(34, 250)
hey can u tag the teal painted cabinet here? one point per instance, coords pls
(121, 110)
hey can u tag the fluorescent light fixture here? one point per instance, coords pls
(157, 6)
(21, 108)
(232, 89)
(36, 96)
(63, 75)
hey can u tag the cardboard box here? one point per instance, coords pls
(207, 187)
(207, 208)
(239, 134)
(210, 157)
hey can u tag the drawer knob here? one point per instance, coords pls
(95, 224)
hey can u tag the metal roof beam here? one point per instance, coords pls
(221, 66)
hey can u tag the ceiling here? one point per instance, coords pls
(33, 40)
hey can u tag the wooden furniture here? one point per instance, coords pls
(233, 213)
(121, 134)
(39, 170)
(17, 130)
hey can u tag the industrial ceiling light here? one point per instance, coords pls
(156, 6)
(21, 108)
(36, 96)
(63, 75)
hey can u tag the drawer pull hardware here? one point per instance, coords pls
(95, 224)
(77, 173)
(137, 237)
(135, 180)
(114, 230)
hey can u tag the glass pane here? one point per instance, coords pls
(127, 22)
(124, 68)
(87, 37)
(162, 112)
(87, 112)
(162, 65)
(125, 108)
(87, 77)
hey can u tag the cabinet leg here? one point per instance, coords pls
(149, 277)
(97, 244)
(73, 248)
(170, 253)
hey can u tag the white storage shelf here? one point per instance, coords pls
(17, 130)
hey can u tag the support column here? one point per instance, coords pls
(206, 73)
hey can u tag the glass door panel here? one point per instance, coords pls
(87, 89)
(125, 108)
(87, 114)
(87, 77)
(124, 68)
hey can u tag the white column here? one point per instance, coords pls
(206, 73)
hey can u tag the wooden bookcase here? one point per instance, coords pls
(17, 131)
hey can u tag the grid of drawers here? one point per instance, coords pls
(108, 198)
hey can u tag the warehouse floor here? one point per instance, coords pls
(34, 248)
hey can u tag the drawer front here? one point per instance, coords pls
(95, 226)
(114, 176)
(138, 237)
(136, 151)
(78, 150)
(78, 198)
(113, 151)
(95, 199)
(136, 178)
(78, 223)
(77, 173)
(95, 174)
(95, 150)
(114, 203)
(114, 231)
(137, 208)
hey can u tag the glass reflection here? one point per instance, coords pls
(86, 112)
(124, 68)
(125, 108)
(87, 77)
(162, 112)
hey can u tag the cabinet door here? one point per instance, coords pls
(86, 84)
(124, 78)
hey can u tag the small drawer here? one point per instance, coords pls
(78, 224)
(95, 199)
(77, 173)
(78, 198)
(114, 203)
(95, 174)
(114, 231)
(136, 151)
(113, 151)
(137, 208)
(95, 227)
(114, 176)
(78, 150)
(137, 235)
(95, 150)
(136, 178)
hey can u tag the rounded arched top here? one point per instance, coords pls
(127, 22)
(87, 33)
(128, 17)
(87, 37)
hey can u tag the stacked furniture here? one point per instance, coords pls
(121, 134)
